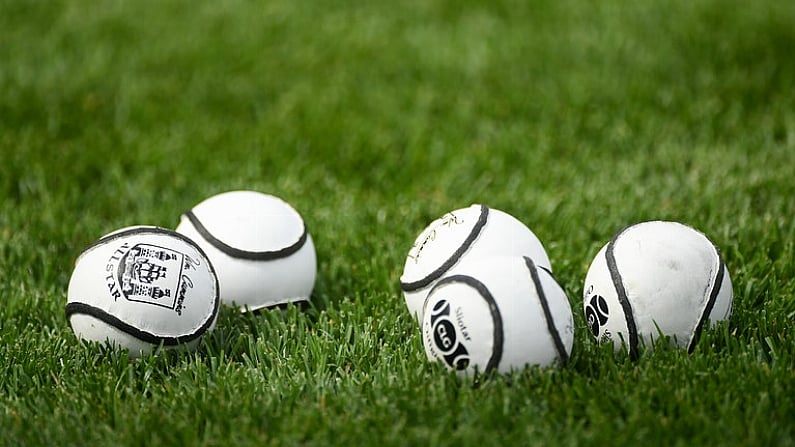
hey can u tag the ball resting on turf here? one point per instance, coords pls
(460, 236)
(259, 246)
(656, 279)
(141, 287)
(501, 313)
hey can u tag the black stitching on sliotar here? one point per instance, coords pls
(140, 230)
(86, 309)
(618, 283)
(713, 296)
(450, 262)
(244, 254)
(553, 331)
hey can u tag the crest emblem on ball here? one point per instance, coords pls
(151, 274)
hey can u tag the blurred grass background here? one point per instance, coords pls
(373, 118)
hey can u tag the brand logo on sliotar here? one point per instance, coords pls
(596, 313)
(445, 338)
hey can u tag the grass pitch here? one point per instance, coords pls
(373, 118)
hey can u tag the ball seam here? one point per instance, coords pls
(710, 304)
(454, 258)
(542, 298)
(78, 308)
(140, 230)
(621, 291)
(265, 255)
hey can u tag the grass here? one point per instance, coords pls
(373, 118)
